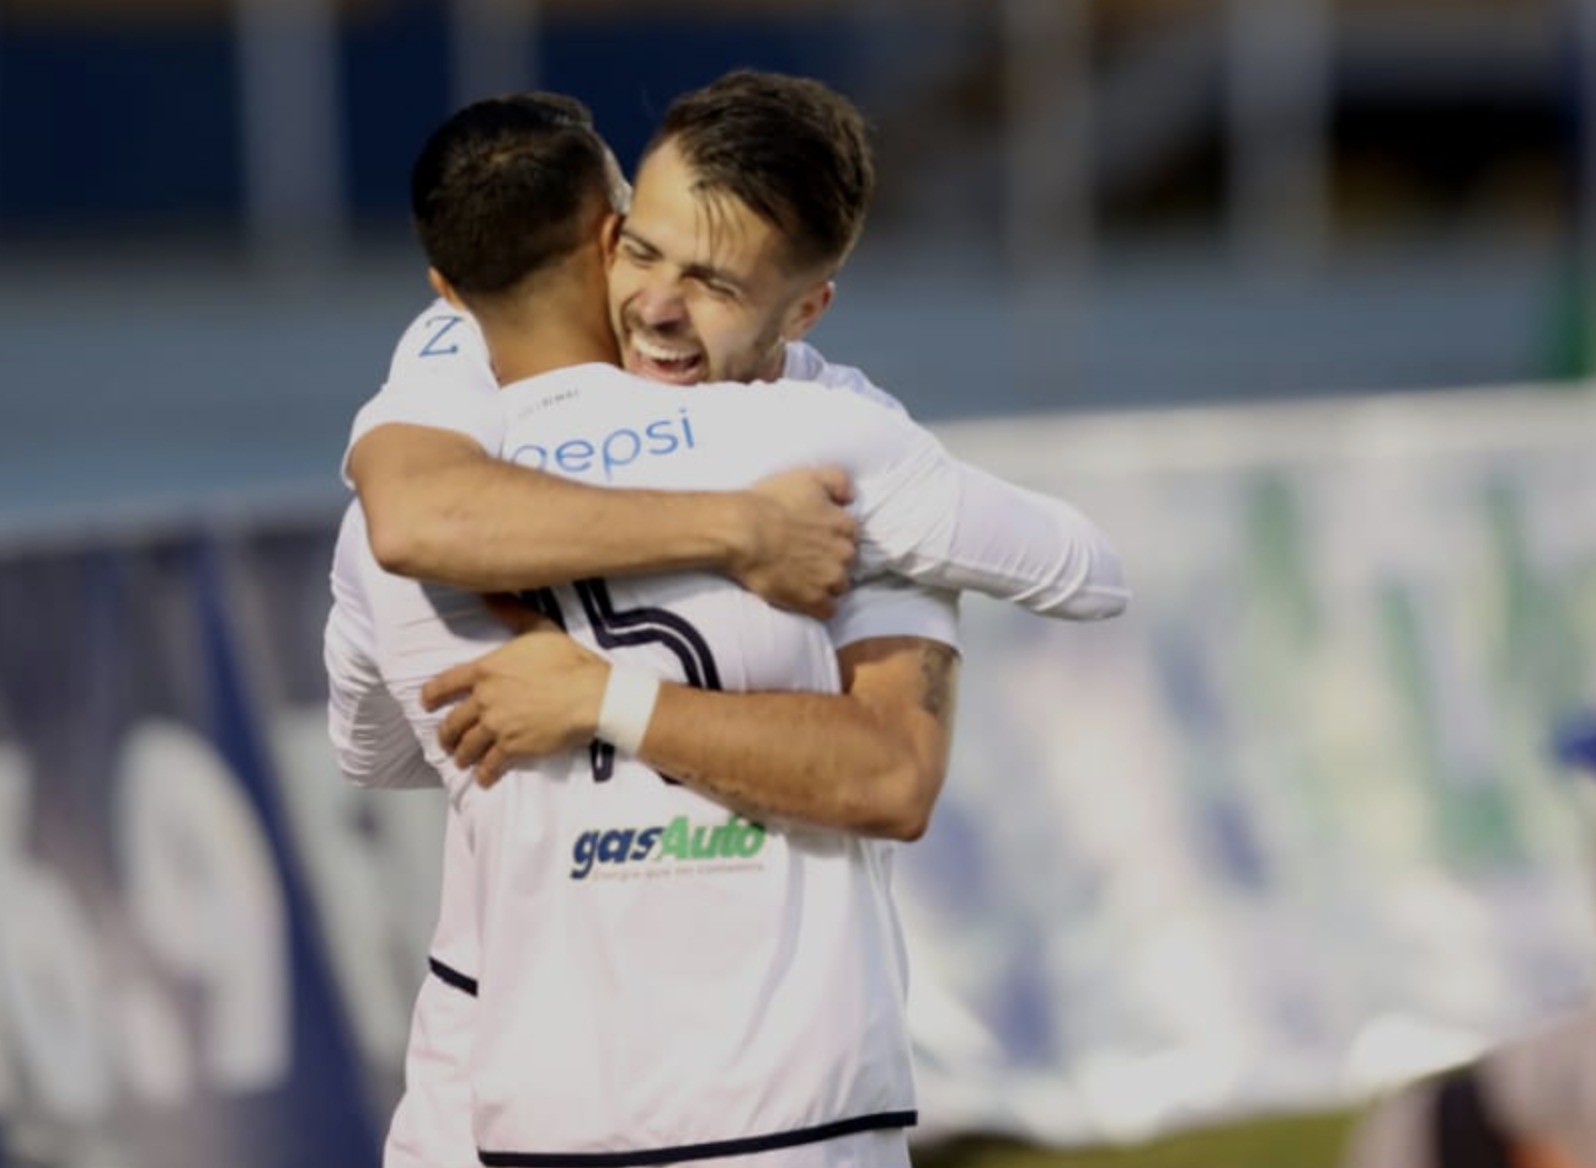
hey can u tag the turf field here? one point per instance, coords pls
(1308, 1141)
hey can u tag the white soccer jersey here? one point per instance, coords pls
(431, 1128)
(661, 980)
(377, 746)
(441, 376)
(924, 516)
(698, 954)
(433, 627)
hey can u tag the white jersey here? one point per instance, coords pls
(441, 376)
(696, 953)
(671, 1047)
(565, 820)
(662, 980)
(924, 516)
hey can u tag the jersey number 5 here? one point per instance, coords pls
(615, 629)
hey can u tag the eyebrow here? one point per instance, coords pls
(628, 233)
(694, 271)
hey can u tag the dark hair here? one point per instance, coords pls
(796, 152)
(502, 188)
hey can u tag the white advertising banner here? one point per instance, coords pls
(1291, 829)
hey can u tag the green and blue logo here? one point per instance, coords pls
(679, 841)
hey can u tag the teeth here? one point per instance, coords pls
(657, 352)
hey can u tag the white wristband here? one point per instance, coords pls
(628, 705)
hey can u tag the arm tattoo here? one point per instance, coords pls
(936, 681)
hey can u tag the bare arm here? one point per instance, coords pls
(440, 508)
(871, 760)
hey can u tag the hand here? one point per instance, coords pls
(802, 541)
(536, 696)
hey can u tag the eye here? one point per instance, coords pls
(636, 253)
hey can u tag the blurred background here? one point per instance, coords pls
(1293, 295)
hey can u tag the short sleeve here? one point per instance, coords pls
(440, 377)
(891, 607)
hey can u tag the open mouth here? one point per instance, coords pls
(662, 362)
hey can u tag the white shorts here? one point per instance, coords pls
(431, 1127)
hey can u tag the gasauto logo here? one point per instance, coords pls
(681, 846)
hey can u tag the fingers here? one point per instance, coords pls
(824, 604)
(836, 482)
(820, 605)
(459, 720)
(474, 744)
(469, 742)
(515, 612)
(492, 767)
(464, 736)
(848, 528)
(448, 686)
(846, 551)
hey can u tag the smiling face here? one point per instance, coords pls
(701, 287)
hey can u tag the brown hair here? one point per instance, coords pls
(796, 152)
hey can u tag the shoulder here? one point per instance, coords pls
(576, 389)
(442, 342)
(807, 363)
(440, 376)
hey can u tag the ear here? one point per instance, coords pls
(610, 237)
(807, 312)
(443, 288)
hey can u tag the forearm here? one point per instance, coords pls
(1033, 550)
(971, 531)
(830, 760)
(871, 760)
(447, 512)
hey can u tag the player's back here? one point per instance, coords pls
(602, 425)
(656, 971)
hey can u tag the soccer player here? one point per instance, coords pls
(438, 343)
(579, 1049)
(441, 508)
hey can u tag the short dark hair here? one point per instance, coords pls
(795, 151)
(503, 188)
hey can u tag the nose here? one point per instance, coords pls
(658, 303)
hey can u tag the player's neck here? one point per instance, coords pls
(551, 319)
(544, 351)
(544, 338)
